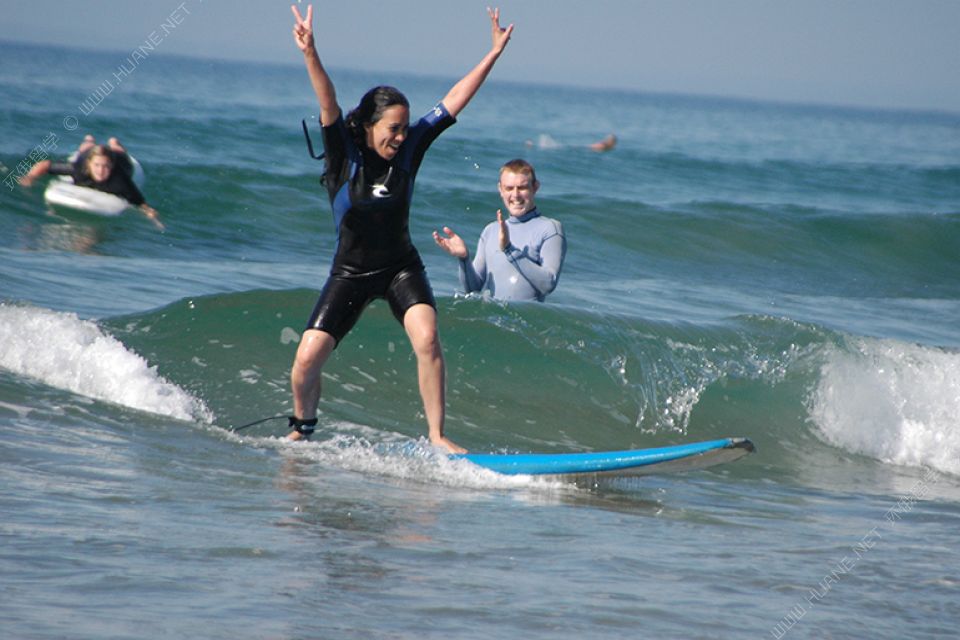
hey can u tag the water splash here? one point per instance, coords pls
(66, 352)
(890, 400)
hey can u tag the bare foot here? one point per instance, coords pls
(302, 429)
(448, 444)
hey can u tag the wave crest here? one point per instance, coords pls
(66, 352)
(892, 401)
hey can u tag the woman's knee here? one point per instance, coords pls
(421, 325)
(315, 347)
(427, 344)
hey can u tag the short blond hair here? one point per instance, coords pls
(521, 166)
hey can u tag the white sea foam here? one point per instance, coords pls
(63, 351)
(353, 447)
(893, 401)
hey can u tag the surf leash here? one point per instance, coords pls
(256, 422)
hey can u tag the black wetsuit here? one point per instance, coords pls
(371, 197)
(120, 183)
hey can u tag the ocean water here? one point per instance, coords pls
(786, 273)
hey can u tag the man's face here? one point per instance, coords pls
(517, 191)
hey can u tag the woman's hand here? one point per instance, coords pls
(500, 36)
(152, 214)
(303, 28)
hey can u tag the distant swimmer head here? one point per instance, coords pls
(98, 163)
(380, 121)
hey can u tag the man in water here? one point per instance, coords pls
(518, 258)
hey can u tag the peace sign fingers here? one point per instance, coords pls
(303, 28)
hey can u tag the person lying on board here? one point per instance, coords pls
(106, 168)
(372, 158)
(546, 141)
(518, 258)
(606, 144)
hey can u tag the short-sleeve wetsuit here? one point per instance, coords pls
(529, 268)
(370, 198)
(119, 183)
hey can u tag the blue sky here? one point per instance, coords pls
(874, 53)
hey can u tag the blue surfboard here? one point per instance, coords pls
(633, 462)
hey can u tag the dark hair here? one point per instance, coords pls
(371, 108)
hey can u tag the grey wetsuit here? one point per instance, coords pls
(530, 267)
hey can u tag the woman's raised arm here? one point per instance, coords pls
(322, 85)
(461, 93)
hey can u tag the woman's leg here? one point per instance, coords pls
(306, 375)
(420, 322)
